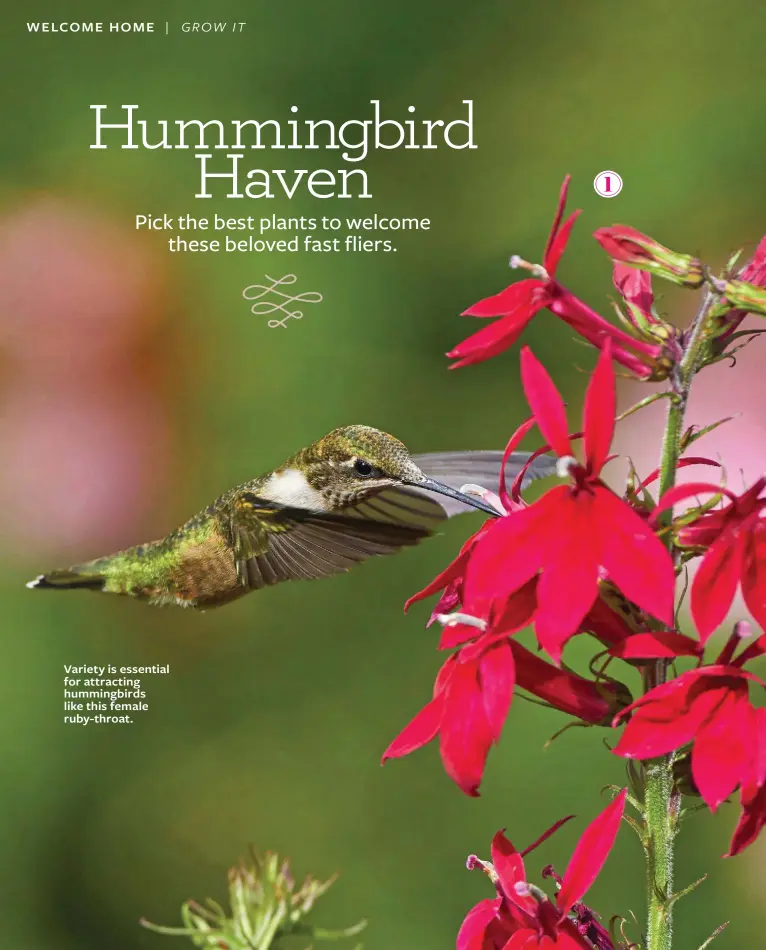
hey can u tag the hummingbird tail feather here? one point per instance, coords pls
(68, 579)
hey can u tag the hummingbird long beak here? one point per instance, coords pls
(432, 485)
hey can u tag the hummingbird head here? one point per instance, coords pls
(355, 462)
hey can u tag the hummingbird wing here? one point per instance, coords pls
(274, 543)
(408, 504)
(404, 506)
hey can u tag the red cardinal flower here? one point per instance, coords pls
(472, 696)
(575, 534)
(521, 917)
(708, 707)
(474, 689)
(735, 538)
(518, 304)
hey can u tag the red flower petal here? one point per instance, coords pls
(751, 821)
(465, 734)
(723, 748)
(559, 243)
(681, 492)
(753, 577)
(545, 402)
(705, 529)
(590, 324)
(568, 585)
(419, 732)
(660, 645)
(441, 581)
(753, 792)
(715, 583)
(556, 222)
(598, 416)
(684, 462)
(619, 242)
(528, 940)
(518, 610)
(518, 296)
(755, 270)
(448, 600)
(635, 558)
(456, 634)
(635, 286)
(490, 340)
(758, 733)
(548, 833)
(513, 552)
(473, 930)
(509, 865)
(757, 648)
(590, 854)
(667, 717)
(498, 675)
(510, 448)
(566, 691)
(522, 473)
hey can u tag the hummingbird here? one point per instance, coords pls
(354, 494)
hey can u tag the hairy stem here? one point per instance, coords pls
(659, 811)
(658, 789)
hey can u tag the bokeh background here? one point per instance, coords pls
(136, 386)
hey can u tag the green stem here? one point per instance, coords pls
(658, 774)
(658, 789)
(659, 811)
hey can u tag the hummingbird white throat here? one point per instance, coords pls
(353, 494)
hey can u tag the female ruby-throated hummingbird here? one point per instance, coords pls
(355, 493)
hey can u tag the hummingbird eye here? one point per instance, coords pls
(362, 467)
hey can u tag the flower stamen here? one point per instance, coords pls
(473, 862)
(456, 617)
(536, 270)
(566, 465)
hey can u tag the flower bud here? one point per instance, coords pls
(635, 288)
(632, 247)
(747, 297)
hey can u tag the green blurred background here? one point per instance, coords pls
(136, 386)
